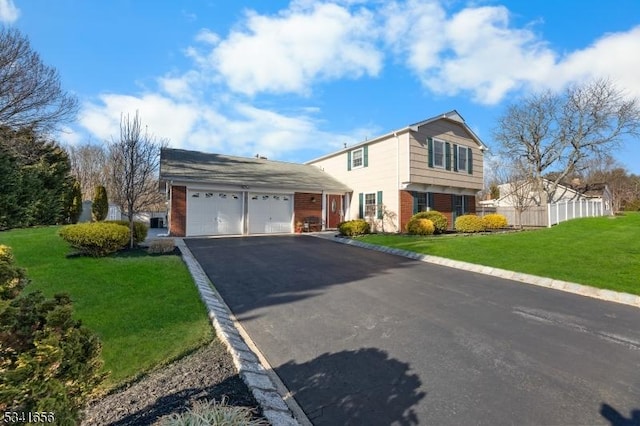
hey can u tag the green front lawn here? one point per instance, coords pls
(602, 252)
(145, 309)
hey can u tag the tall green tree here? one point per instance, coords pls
(100, 206)
(75, 202)
(41, 179)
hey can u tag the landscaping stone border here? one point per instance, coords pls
(256, 377)
(583, 290)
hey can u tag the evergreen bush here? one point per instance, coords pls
(97, 238)
(440, 222)
(100, 205)
(494, 221)
(354, 227)
(140, 229)
(469, 223)
(419, 226)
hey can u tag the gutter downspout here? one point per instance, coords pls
(395, 134)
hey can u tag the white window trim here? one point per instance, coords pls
(461, 148)
(375, 205)
(444, 154)
(353, 158)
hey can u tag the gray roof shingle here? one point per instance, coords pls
(194, 166)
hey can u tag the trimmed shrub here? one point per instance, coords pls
(494, 221)
(354, 227)
(97, 238)
(50, 362)
(140, 229)
(12, 278)
(469, 223)
(420, 226)
(214, 413)
(161, 246)
(440, 222)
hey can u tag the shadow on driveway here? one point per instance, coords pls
(358, 387)
(274, 270)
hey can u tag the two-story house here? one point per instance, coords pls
(436, 164)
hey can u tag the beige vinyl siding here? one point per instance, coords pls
(381, 174)
(451, 132)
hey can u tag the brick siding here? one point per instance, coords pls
(304, 207)
(406, 209)
(178, 211)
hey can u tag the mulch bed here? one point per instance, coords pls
(206, 374)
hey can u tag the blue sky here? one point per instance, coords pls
(293, 80)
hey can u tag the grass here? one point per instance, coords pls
(145, 309)
(603, 252)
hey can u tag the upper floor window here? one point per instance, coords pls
(438, 153)
(462, 158)
(357, 158)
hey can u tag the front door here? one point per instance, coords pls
(334, 211)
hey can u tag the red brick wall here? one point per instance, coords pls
(178, 211)
(304, 207)
(470, 202)
(406, 209)
(442, 203)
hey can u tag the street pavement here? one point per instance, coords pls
(363, 337)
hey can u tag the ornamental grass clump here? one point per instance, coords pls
(418, 226)
(440, 222)
(494, 221)
(353, 228)
(96, 239)
(469, 223)
(205, 413)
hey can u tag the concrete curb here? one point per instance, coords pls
(256, 377)
(569, 287)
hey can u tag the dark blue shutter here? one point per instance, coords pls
(455, 157)
(414, 194)
(380, 205)
(447, 154)
(365, 156)
(470, 161)
(430, 151)
(361, 205)
(430, 200)
(348, 160)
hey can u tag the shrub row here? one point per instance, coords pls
(354, 227)
(434, 222)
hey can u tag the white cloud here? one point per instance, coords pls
(613, 56)
(299, 46)
(9, 13)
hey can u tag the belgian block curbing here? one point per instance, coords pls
(569, 287)
(257, 379)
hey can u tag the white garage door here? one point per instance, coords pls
(214, 213)
(270, 213)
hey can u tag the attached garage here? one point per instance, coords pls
(214, 194)
(214, 212)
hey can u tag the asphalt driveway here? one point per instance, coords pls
(363, 337)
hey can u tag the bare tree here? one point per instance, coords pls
(135, 161)
(90, 165)
(561, 132)
(30, 91)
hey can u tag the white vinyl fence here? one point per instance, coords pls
(552, 214)
(567, 210)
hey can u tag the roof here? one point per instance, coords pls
(193, 166)
(452, 115)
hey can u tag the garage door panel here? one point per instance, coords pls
(214, 213)
(270, 213)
